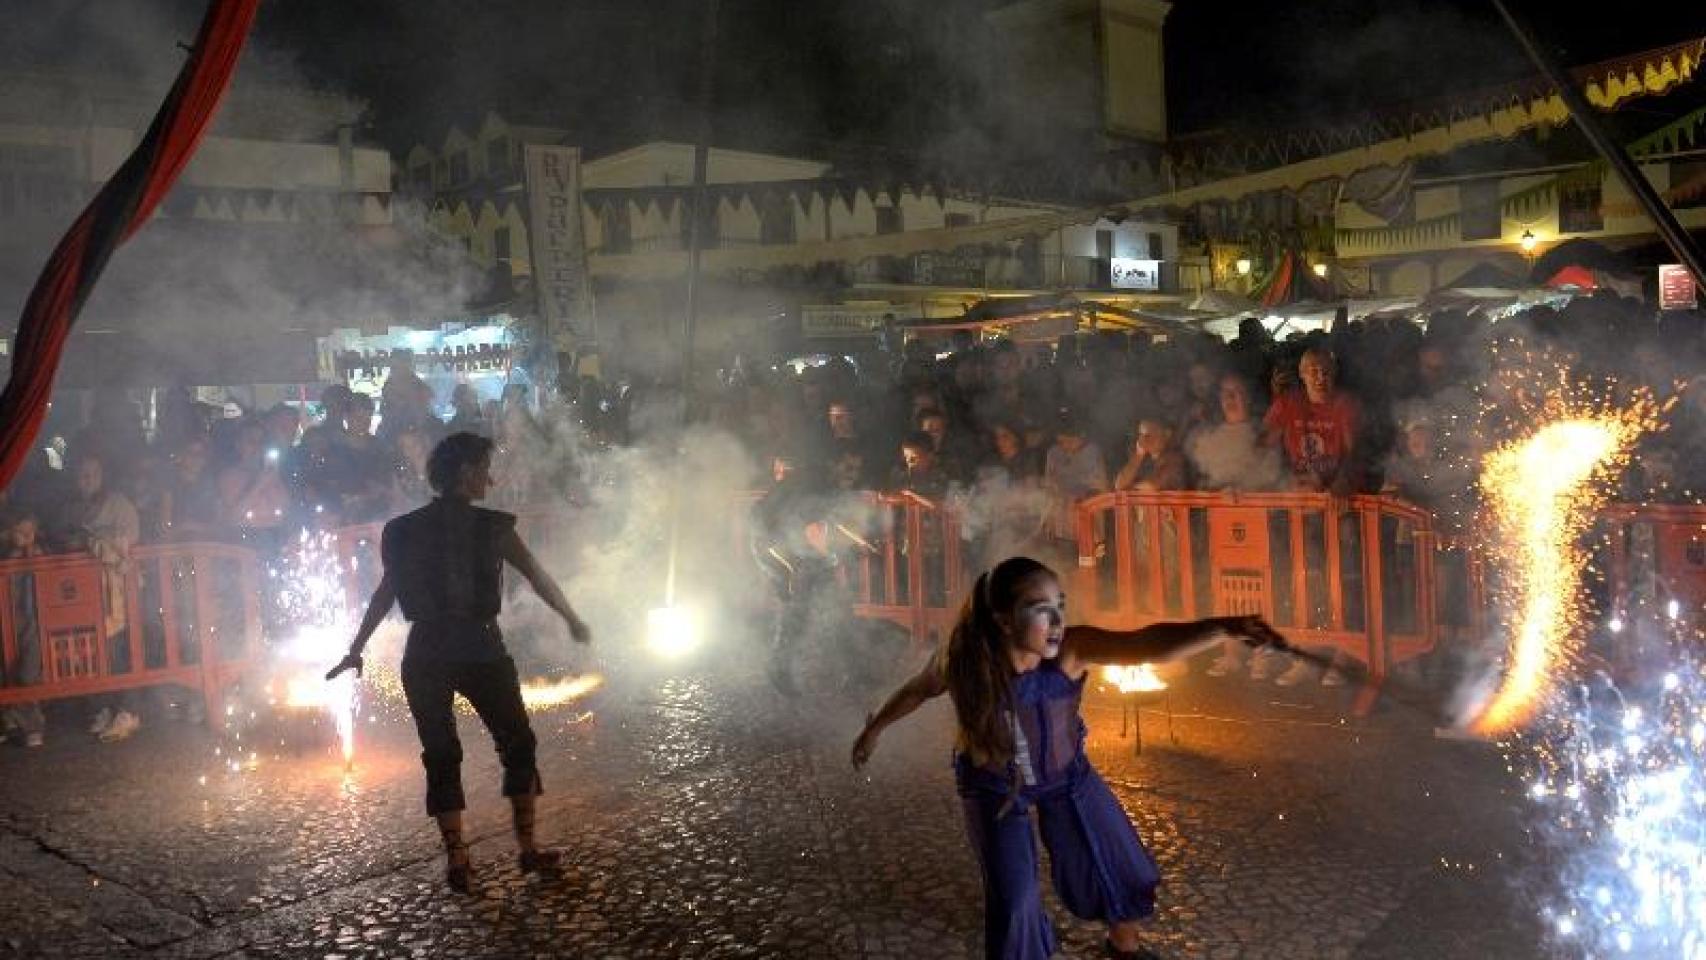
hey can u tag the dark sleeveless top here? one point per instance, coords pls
(1048, 735)
(446, 562)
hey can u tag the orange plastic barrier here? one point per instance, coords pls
(1657, 557)
(182, 614)
(1366, 577)
(1355, 576)
(902, 558)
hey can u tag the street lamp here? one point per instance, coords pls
(1320, 270)
(1528, 241)
(1243, 266)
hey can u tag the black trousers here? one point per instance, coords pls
(493, 689)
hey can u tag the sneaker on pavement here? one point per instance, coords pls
(124, 724)
(102, 721)
(32, 740)
(1332, 678)
(1298, 673)
(1222, 667)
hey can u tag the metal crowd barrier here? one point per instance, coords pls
(185, 615)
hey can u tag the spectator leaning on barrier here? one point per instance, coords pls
(1229, 456)
(1155, 463)
(1316, 427)
(1072, 470)
(953, 458)
(103, 523)
(19, 540)
(919, 471)
(1010, 458)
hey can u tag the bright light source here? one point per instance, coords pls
(1528, 241)
(1320, 270)
(1673, 610)
(1134, 679)
(671, 632)
(1243, 266)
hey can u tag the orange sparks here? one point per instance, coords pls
(544, 694)
(1542, 492)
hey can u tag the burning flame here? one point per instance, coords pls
(1137, 679)
(544, 694)
(1542, 492)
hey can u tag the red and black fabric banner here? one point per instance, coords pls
(122, 206)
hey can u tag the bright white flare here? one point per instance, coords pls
(672, 632)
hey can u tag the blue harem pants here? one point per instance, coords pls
(1101, 870)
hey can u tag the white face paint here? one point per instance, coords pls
(1039, 623)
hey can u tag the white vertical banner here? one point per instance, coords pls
(558, 240)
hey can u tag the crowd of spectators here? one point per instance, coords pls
(1379, 406)
(1383, 405)
(1376, 406)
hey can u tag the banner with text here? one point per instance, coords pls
(558, 240)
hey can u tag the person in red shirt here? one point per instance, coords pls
(1317, 428)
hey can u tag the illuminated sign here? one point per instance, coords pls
(1676, 287)
(1131, 274)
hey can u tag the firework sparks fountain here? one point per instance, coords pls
(313, 595)
(1618, 783)
(1542, 492)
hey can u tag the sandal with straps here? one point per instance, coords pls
(536, 859)
(459, 876)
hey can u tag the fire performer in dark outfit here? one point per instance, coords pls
(1016, 675)
(444, 564)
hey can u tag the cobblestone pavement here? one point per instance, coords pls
(709, 818)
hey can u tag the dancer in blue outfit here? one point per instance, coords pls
(1016, 673)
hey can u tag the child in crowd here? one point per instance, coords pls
(18, 541)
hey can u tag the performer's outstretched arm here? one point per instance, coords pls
(378, 607)
(1160, 642)
(517, 555)
(925, 685)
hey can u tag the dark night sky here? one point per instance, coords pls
(799, 72)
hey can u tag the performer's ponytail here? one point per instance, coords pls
(978, 673)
